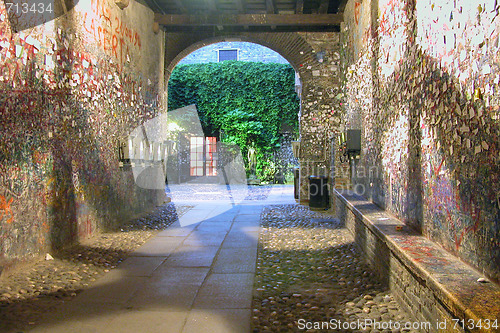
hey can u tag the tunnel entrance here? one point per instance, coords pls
(246, 95)
(315, 57)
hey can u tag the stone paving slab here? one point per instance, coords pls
(140, 266)
(191, 256)
(246, 218)
(180, 276)
(80, 318)
(200, 240)
(224, 217)
(130, 321)
(250, 210)
(209, 231)
(247, 227)
(236, 260)
(209, 213)
(104, 319)
(238, 239)
(176, 230)
(158, 294)
(218, 321)
(240, 234)
(159, 247)
(112, 288)
(226, 291)
(213, 227)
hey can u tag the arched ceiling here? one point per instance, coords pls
(289, 45)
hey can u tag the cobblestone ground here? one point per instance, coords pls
(309, 272)
(42, 286)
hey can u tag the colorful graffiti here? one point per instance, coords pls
(357, 12)
(5, 210)
(68, 94)
(435, 64)
(112, 34)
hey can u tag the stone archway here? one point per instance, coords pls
(316, 59)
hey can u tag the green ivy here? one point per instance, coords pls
(246, 101)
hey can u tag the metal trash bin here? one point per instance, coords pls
(296, 188)
(318, 192)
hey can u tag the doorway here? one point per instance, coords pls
(203, 156)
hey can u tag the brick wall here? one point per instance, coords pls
(416, 289)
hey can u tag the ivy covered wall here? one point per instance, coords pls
(246, 101)
(421, 81)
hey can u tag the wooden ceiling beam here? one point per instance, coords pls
(249, 20)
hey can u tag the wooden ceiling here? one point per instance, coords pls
(248, 15)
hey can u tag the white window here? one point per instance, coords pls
(227, 54)
(203, 156)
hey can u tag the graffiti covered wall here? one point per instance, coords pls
(70, 90)
(422, 82)
(321, 106)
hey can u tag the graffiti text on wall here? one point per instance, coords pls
(111, 33)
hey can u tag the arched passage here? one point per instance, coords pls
(253, 93)
(316, 60)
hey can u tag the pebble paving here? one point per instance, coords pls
(31, 291)
(310, 278)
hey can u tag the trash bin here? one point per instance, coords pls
(296, 188)
(318, 192)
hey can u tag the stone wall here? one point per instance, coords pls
(285, 159)
(438, 289)
(421, 81)
(321, 108)
(71, 89)
(246, 52)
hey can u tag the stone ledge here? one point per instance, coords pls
(452, 282)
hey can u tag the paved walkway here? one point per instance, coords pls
(192, 277)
